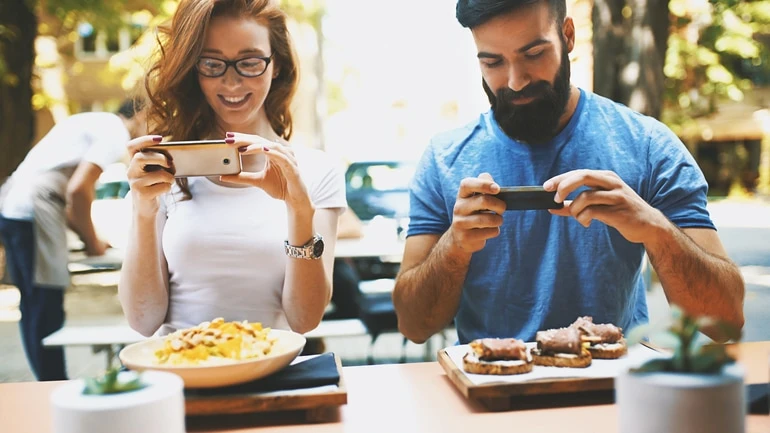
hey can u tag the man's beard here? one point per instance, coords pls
(538, 121)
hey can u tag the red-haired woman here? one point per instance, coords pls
(242, 247)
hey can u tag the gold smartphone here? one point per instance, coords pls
(199, 158)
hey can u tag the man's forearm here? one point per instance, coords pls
(701, 283)
(79, 217)
(427, 296)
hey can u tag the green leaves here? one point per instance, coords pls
(712, 49)
(113, 383)
(691, 352)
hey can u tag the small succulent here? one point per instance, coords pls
(113, 383)
(690, 354)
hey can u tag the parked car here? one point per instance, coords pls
(379, 188)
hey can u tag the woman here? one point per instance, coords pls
(215, 247)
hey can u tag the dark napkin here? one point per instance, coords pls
(318, 371)
(758, 399)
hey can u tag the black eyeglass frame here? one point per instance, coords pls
(234, 64)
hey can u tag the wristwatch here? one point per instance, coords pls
(312, 250)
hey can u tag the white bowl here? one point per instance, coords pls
(141, 356)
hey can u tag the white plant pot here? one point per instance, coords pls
(156, 408)
(682, 403)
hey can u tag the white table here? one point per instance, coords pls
(109, 338)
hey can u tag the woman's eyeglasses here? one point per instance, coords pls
(249, 67)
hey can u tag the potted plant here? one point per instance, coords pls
(120, 402)
(698, 388)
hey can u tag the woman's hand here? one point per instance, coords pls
(149, 174)
(279, 178)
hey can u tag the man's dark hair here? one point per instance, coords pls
(129, 108)
(471, 13)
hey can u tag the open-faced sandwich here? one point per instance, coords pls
(606, 340)
(561, 347)
(497, 356)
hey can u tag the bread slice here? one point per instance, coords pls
(608, 350)
(472, 364)
(563, 359)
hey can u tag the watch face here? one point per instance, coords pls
(318, 248)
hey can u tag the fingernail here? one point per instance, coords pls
(557, 198)
(242, 149)
(548, 185)
(157, 138)
(265, 149)
(229, 140)
(230, 134)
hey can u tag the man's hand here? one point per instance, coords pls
(477, 216)
(99, 249)
(608, 200)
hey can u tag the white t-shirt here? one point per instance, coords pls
(99, 138)
(224, 247)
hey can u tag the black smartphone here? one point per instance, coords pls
(528, 198)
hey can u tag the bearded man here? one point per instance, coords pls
(628, 186)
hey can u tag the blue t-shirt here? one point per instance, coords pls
(543, 271)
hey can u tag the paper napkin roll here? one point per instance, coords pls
(156, 408)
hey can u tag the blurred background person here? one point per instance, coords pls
(51, 190)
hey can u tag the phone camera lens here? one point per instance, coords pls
(226, 161)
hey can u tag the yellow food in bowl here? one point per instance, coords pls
(216, 342)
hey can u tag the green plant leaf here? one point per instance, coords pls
(710, 360)
(666, 340)
(653, 365)
(113, 383)
(692, 351)
(638, 334)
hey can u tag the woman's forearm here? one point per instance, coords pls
(143, 288)
(308, 286)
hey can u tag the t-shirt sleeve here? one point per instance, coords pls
(427, 210)
(325, 180)
(676, 185)
(108, 142)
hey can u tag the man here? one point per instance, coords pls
(52, 189)
(627, 183)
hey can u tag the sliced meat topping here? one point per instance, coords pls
(562, 340)
(491, 349)
(607, 332)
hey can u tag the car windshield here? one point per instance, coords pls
(390, 176)
(379, 188)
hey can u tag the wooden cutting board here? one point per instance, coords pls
(312, 400)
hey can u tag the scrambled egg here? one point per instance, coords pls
(216, 342)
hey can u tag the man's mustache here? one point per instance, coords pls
(533, 90)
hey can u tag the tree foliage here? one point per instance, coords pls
(717, 50)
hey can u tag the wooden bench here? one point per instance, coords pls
(112, 338)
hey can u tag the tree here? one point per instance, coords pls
(629, 40)
(715, 53)
(17, 52)
(19, 23)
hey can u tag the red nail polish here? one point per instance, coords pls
(242, 149)
(230, 134)
(229, 140)
(265, 149)
(157, 138)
